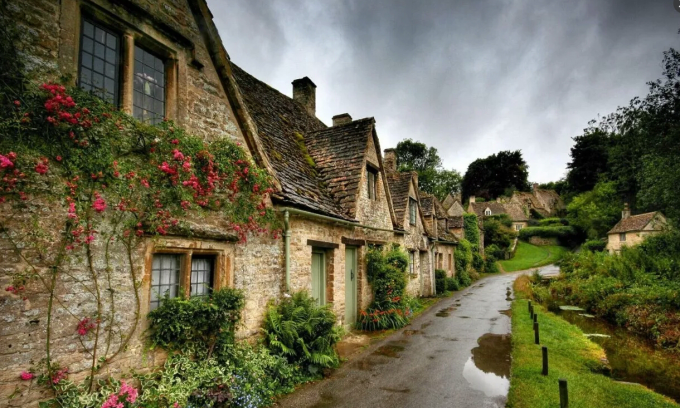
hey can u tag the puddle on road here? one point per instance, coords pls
(425, 325)
(367, 364)
(411, 332)
(397, 390)
(446, 312)
(488, 369)
(389, 350)
(507, 312)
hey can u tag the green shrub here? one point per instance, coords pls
(303, 332)
(440, 280)
(471, 228)
(477, 262)
(497, 233)
(464, 279)
(495, 251)
(197, 325)
(386, 272)
(594, 245)
(553, 222)
(463, 255)
(452, 284)
(490, 265)
(566, 235)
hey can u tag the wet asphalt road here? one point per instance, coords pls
(454, 355)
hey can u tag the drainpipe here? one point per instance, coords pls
(286, 238)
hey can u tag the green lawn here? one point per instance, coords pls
(531, 256)
(571, 356)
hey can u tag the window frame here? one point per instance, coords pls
(412, 211)
(220, 263)
(622, 237)
(148, 50)
(487, 212)
(372, 182)
(118, 80)
(411, 261)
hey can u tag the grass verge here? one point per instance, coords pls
(571, 356)
(531, 256)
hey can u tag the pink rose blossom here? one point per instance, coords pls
(27, 376)
(41, 168)
(99, 204)
(5, 162)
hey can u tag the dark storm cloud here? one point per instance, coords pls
(470, 78)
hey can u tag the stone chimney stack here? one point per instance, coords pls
(390, 161)
(341, 119)
(498, 199)
(472, 199)
(534, 187)
(458, 197)
(626, 211)
(304, 93)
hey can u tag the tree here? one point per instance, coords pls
(596, 212)
(432, 178)
(492, 176)
(588, 160)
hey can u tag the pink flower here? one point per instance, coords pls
(166, 168)
(58, 158)
(5, 162)
(177, 155)
(144, 182)
(99, 204)
(174, 141)
(89, 239)
(60, 375)
(41, 168)
(27, 376)
(118, 399)
(85, 326)
(17, 103)
(72, 210)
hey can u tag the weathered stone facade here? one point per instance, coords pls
(633, 229)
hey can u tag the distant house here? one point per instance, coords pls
(547, 203)
(515, 211)
(633, 229)
(437, 225)
(452, 205)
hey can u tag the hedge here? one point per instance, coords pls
(547, 232)
(594, 245)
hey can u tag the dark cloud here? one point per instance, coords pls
(468, 77)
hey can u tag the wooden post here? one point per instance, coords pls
(564, 394)
(536, 338)
(531, 311)
(545, 360)
(535, 317)
(530, 306)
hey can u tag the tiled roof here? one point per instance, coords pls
(439, 208)
(527, 199)
(281, 124)
(399, 184)
(427, 203)
(443, 234)
(456, 222)
(448, 201)
(633, 223)
(339, 152)
(496, 208)
(515, 212)
(456, 210)
(552, 201)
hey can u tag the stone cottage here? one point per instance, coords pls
(437, 226)
(546, 203)
(403, 187)
(515, 211)
(633, 229)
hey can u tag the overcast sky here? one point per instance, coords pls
(470, 78)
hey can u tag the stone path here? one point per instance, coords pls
(456, 354)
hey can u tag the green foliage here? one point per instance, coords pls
(452, 284)
(303, 332)
(596, 211)
(440, 280)
(477, 261)
(471, 229)
(463, 256)
(494, 175)
(531, 256)
(637, 288)
(594, 245)
(566, 235)
(498, 232)
(386, 272)
(553, 222)
(432, 178)
(589, 157)
(463, 278)
(490, 265)
(495, 251)
(198, 324)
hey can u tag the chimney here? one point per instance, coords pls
(304, 93)
(341, 119)
(498, 199)
(390, 160)
(472, 199)
(534, 187)
(626, 211)
(458, 197)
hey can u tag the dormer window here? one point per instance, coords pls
(412, 210)
(371, 177)
(487, 212)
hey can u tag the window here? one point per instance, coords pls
(412, 208)
(487, 212)
(99, 60)
(411, 260)
(440, 261)
(622, 237)
(371, 177)
(319, 276)
(518, 227)
(450, 262)
(167, 276)
(149, 87)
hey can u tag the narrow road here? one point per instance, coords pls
(456, 354)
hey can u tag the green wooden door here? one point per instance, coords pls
(350, 285)
(319, 277)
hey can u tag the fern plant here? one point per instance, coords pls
(302, 332)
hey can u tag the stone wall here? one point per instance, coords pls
(541, 241)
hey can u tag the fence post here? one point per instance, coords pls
(544, 349)
(535, 317)
(530, 306)
(536, 338)
(564, 394)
